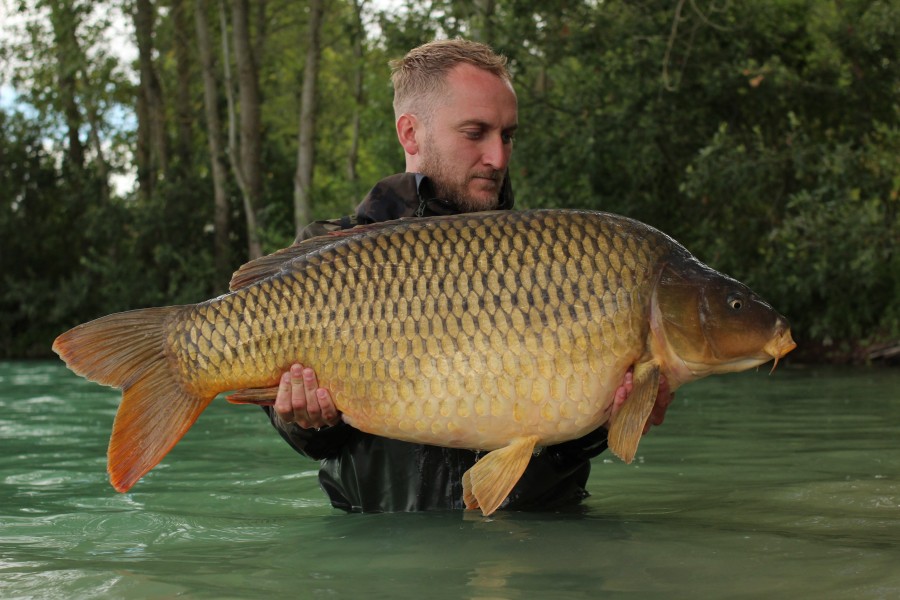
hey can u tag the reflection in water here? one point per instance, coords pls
(489, 582)
(757, 486)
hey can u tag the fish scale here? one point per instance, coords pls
(486, 331)
(463, 310)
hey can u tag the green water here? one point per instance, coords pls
(757, 486)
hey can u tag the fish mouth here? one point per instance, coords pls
(780, 345)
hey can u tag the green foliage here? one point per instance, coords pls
(837, 252)
(42, 215)
(763, 135)
(797, 191)
(812, 225)
(757, 135)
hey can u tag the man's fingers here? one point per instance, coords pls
(300, 400)
(310, 383)
(313, 414)
(330, 415)
(628, 382)
(283, 399)
(298, 397)
(664, 398)
(658, 414)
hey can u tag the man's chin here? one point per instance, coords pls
(484, 197)
(483, 202)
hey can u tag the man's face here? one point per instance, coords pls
(466, 146)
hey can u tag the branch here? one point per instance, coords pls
(669, 45)
(233, 150)
(703, 18)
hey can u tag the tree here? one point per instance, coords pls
(755, 133)
(64, 17)
(306, 139)
(357, 35)
(248, 168)
(222, 210)
(152, 147)
(184, 116)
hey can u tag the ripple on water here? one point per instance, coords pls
(860, 511)
(36, 478)
(872, 497)
(743, 491)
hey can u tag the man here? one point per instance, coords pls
(456, 115)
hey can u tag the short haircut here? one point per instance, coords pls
(419, 78)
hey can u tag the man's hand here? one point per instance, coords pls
(664, 398)
(300, 400)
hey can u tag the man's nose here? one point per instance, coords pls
(496, 153)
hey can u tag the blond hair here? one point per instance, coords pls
(419, 78)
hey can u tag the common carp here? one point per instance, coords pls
(499, 331)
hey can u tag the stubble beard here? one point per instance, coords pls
(457, 192)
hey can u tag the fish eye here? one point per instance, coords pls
(735, 301)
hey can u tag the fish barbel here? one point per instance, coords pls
(500, 331)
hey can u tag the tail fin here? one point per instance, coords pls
(127, 351)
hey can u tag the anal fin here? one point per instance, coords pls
(628, 427)
(258, 396)
(487, 484)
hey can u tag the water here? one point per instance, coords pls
(779, 487)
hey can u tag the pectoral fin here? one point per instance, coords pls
(625, 432)
(487, 484)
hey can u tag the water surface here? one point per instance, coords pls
(782, 486)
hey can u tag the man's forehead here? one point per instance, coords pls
(476, 96)
(468, 76)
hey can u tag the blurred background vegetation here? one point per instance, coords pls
(149, 148)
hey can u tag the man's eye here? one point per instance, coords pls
(473, 135)
(508, 138)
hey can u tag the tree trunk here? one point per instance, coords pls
(250, 125)
(184, 116)
(483, 21)
(221, 209)
(262, 22)
(65, 21)
(358, 34)
(152, 130)
(307, 137)
(102, 166)
(142, 153)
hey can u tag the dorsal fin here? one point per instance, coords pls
(261, 268)
(267, 266)
(272, 264)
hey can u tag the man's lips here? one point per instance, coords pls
(485, 179)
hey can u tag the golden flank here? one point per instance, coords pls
(500, 331)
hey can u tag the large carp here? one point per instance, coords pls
(500, 331)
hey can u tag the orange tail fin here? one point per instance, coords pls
(127, 351)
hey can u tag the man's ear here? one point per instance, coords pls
(407, 128)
